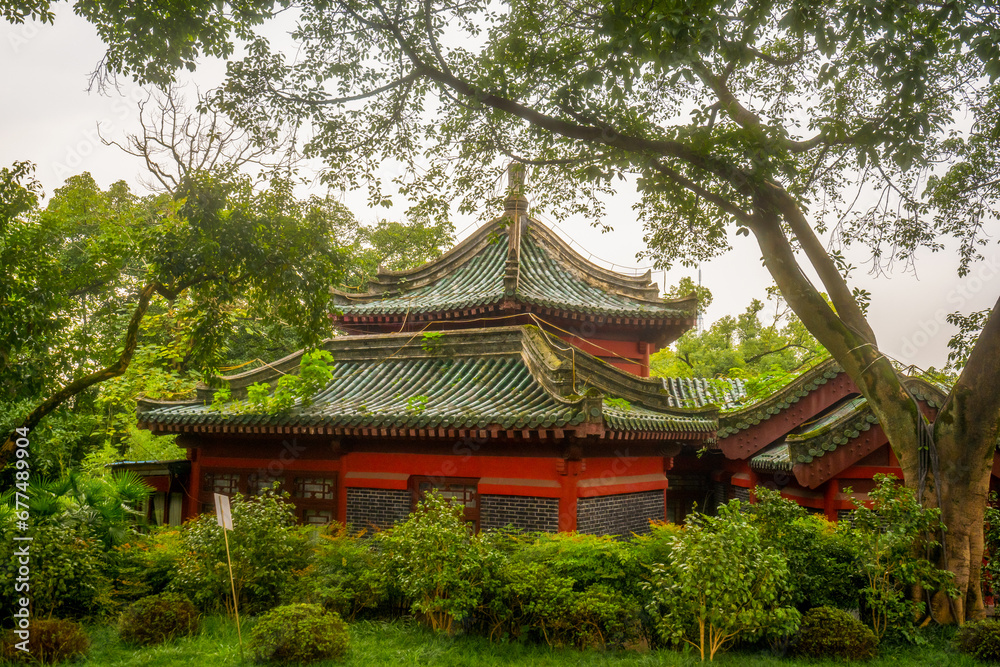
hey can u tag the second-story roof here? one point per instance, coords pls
(499, 378)
(515, 264)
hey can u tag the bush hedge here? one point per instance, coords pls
(51, 641)
(980, 639)
(827, 632)
(158, 618)
(298, 633)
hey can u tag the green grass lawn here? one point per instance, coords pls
(374, 644)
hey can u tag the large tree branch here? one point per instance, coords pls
(871, 371)
(325, 101)
(743, 116)
(973, 407)
(740, 179)
(704, 193)
(836, 287)
(73, 388)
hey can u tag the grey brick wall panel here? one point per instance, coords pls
(619, 515)
(521, 512)
(376, 507)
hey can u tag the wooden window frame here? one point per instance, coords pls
(441, 483)
(287, 480)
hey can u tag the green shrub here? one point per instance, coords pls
(158, 618)
(342, 575)
(822, 564)
(67, 571)
(297, 633)
(267, 551)
(833, 633)
(980, 639)
(143, 566)
(720, 584)
(50, 641)
(885, 536)
(564, 589)
(435, 560)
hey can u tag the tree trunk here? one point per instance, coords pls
(73, 388)
(962, 555)
(965, 432)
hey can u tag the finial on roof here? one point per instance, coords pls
(515, 189)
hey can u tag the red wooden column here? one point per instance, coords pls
(345, 466)
(830, 499)
(569, 473)
(194, 488)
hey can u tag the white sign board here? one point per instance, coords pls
(222, 512)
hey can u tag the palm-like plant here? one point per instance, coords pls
(108, 506)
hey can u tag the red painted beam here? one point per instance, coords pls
(750, 441)
(822, 468)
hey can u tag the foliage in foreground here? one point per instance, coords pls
(720, 583)
(886, 536)
(980, 639)
(52, 640)
(823, 562)
(158, 618)
(266, 549)
(833, 633)
(297, 633)
(435, 561)
(405, 642)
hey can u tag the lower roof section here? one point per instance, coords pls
(509, 378)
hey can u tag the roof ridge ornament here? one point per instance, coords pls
(516, 203)
(516, 208)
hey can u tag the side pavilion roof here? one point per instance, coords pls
(514, 264)
(497, 379)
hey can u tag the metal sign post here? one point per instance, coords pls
(225, 518)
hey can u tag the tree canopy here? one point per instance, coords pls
(763, 340)
(780, 119)
(110, 295)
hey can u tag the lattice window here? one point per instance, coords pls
(465, 494)
(257, 484)
(314, 488)
(461, 490)
(226, 483)
(317, 517)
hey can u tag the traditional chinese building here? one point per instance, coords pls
(513, 374)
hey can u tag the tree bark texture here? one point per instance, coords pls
(965, 431)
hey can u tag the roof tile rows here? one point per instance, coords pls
(507, 377)
(538, 267)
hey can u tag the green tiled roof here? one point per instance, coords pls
(845, 422)
(637, 418)
(506, 377)
(545, 282)
(746, 417)
(525, 263)
(841, 425)
(477, 282)
(775, 458)
(726, 393)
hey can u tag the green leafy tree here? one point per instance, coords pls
(266, 549)
(719, 583)
(889, 537)
(754, 344)
(96, 262)
(435, 561)
(822, 556)
(747, 117)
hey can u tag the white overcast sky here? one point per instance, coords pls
(48, 117)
